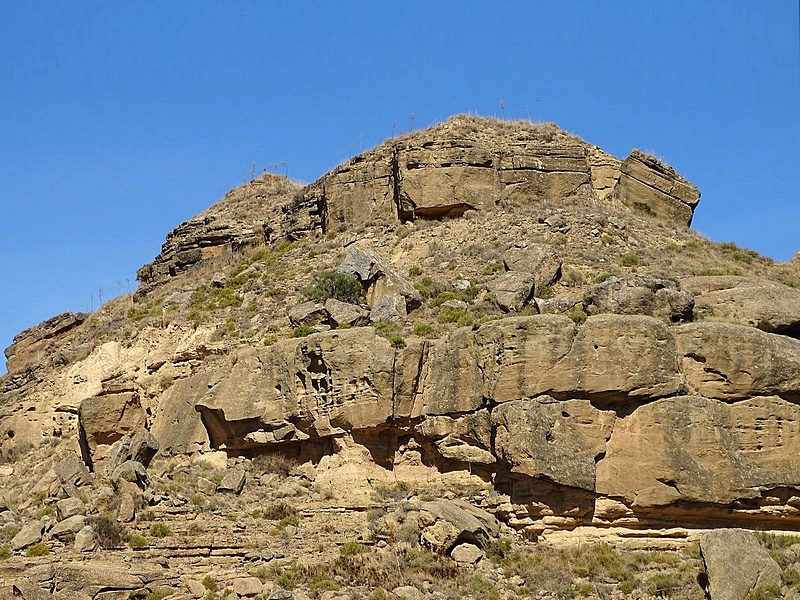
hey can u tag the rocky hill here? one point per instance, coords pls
(393, 381)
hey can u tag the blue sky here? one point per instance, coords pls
(119, 120)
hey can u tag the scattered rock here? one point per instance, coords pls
(206, 486)
(27, 536)
(247, 586)
(65, 530)
(408, 592)
(131, 471)
(735, 563)
(512, 290)
(343, 313)
(389, 308)
(233, 481)
(69, 507)
(308, 313)
(466, 554)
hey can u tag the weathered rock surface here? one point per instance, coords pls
(696, 449)
(648, 185)
(736, 564)
(733, 362)
(29, 346)
(768, 305)
(639, 296)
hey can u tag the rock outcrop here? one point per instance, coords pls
(517, 327)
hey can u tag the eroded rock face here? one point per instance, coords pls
(250, 215)
(649, 186)
(733, 362)
(29, 346)
(735, 564)
(696, 449)
(767, 305)
(475, 164)
(559, 441)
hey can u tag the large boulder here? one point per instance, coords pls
(733, 362)
(452, 522)
(736, 564)
(379, 278)
(768, 305)
(539, 259)
(695, 449)
(639, 296)
(650, 187)
(106, 418)
(558, 441)
(512, 290)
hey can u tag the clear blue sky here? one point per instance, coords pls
(119, 120)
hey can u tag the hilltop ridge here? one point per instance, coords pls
(481, 330)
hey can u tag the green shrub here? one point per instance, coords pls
(270, 339)
(339, 286)
(108, 532)
(578, 316)
(414, 271)
(195, 529)
(137, 541)
(425, 330)
(279, 510)
(209, 298)
(160, 530)
(428, 287)
(352, 549)
(322, 584)
(770, 591)
(397, 341)
(302, 331)
(385, 328)
(210, 583)
(545, 292)
(496, 550)
(602, 277)
(629, 260)
(159, 594)
(5, 552)
(39, 549)
(493, 268)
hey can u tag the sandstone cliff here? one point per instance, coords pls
(506, 304)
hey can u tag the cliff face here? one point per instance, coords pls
(527, 310)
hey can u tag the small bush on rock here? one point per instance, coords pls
(109, 533)
(338, 286)
(39, 549)
(137, 541)
(160, 530)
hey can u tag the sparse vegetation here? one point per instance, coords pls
(339, 286)
(629, 260)
(108, 531)
(5, 552)
(302, 331)
(138, 542)
(160, 530)
(40, 549)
